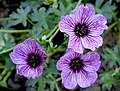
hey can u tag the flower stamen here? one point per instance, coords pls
(81, 30)
(76, 64)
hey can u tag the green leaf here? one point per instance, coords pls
(63, 10)
(20, 16)
(6, 41)
(40, 17)
(51, 69)
(106, 9)
(112, 56)
(116, 73)
(3, 84)
(41, 84)
(35, 32)
(98, 3)
(9, 64)
(108, 80)
(32, 4)
(51, 2)
(117, 0)
(31, 82)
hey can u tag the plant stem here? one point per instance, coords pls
(50, 21)
(110, 27)
(8, 74)
(57, 49)
(1, 19)
(78, 3)
(51, 76)
(5, 51)
(57, 87)
(52, 32)
(13, 31)
(3, 73)
(57, 80)
(31, 22)
(2, 67)
(76, 6)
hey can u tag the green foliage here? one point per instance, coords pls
(62, 10)
(111, 78)
(112, 56)
(106, 9)
(108, 80)
(20, 16)
(35, 32)
(116, 74)
(3, 84)
(39, 16)
(32, 4)
(51, 69)
(53, 2)
(6, 41)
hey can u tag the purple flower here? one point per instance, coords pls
(84, 28)
(29, 58)
(78, 69)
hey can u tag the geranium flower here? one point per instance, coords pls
(29, 58)
(79, 69)
(84, 28)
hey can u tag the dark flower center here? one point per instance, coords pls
(81, 30)
(76, 64)
(34, 60)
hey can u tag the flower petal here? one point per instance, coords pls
(32, 45)
(85, 79)
(69, 78)
(76, 44)
(91, 61)
(17, 59)
(91, 42)
(62, 63)
(28, 72)
(97, 25)
(19, 54)
(67, 24)
(84, 13)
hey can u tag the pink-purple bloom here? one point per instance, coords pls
(29, 58)
(84, 28)
(79, 69)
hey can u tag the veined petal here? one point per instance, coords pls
(91, 42)
(17, 59)
(62, 64)
(32, 45)
(69, 79)
(97, 25)
(85, 79)
(91, 61)
(67, 24)
(76, 44)
(28, 72)
(84, 13)
(21, 50)
(99, 19)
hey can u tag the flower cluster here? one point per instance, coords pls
(84, 28)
